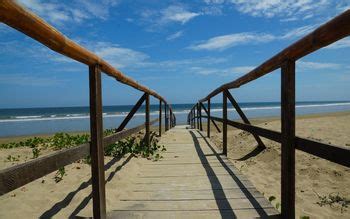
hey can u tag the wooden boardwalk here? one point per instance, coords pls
(192, 181)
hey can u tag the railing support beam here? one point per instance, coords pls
(208, 120)
(200, 116)
(96, 148)
(224, 124)
(288, 139)
(147, 134)
(160, 118)
(166, 117)
(131, 113)
(243, 117)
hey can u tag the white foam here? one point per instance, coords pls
(123, 114)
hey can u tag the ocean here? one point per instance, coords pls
(31, 121)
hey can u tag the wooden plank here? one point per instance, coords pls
(160, 118)
(166, 117)
(336, 154)
(97, 154)
(224, 123)
(147, 134)
(200, 116)
(131, 113)
(266, 133)
(16, 176)
(208, 112)
(244, 118)
(17, 17)
(288, 139)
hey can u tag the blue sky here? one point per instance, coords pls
(181, 49)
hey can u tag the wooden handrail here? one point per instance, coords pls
(16, 176)
(328, 33)
(17, 17)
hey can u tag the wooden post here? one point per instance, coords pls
(166, 118)
(96, 145)
(192, 115)
(195, 115)
(208, 121)
(147, 134)
(288, 139)
(160, 118)
(171, 118)
(224, 124)
(200, 117)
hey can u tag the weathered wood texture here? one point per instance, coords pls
(96, 144)
(16, 176)
(193, 185)
(17, 17)
(330, 32)
(160, 118)
(166, 121)
(209, 119)
(132, 113)
(288, 139)
(147, 124)
(224, 123)
(333, 153)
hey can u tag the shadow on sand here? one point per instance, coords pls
(67, 200)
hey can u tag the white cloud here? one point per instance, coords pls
(298, 32)
(280, 8)
(174, 35)
(177, 13)
(343, 43)
(155, 19)
(76, 11)
(305, 65)
(237, 70)
(118, 56)
(227, 41)
(99, 9)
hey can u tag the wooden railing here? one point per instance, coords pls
(14, 177)
(330, 32)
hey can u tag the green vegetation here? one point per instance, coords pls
(36, 152)
(136, 147)
(133, 145)
(11, 158)
(334, 200)
(59, 174)
(60, 141)
(273, 198)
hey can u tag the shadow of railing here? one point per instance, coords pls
(259, 209)
(223, 204)
(56, 208)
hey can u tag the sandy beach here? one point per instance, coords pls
(315, 177)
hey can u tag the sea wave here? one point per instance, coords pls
(123, 114)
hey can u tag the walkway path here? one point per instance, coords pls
(192, 181)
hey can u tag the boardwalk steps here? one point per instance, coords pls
(192, 181)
